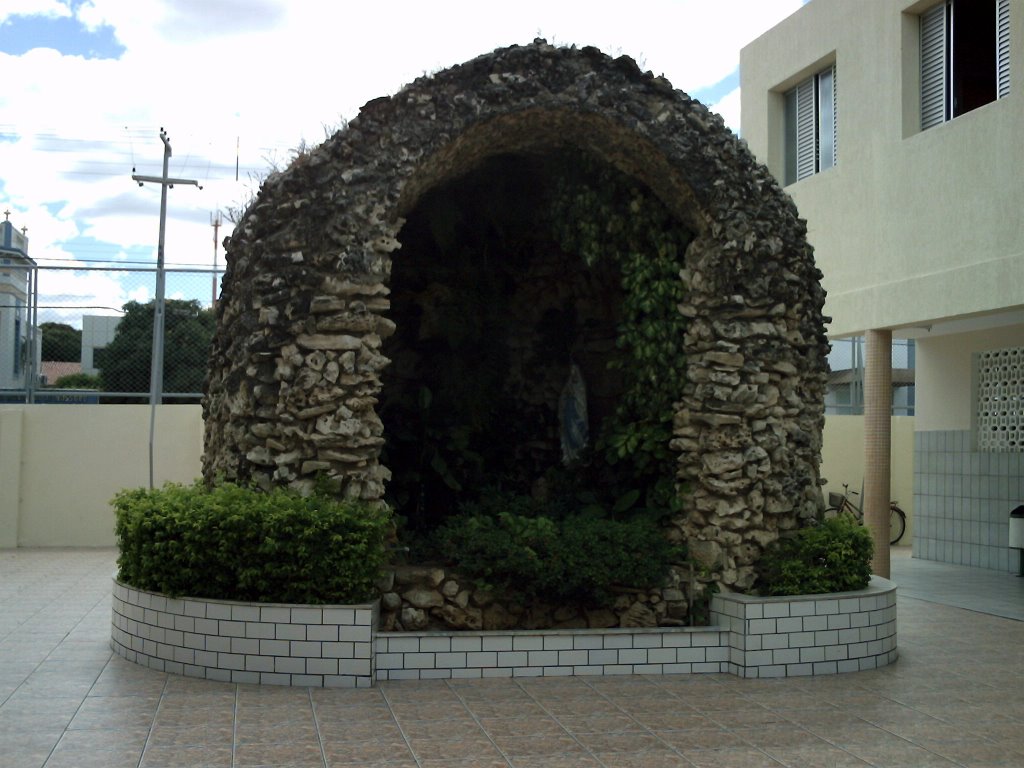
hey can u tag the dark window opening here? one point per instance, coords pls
(973, 63)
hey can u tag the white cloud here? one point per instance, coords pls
(267, 74)
(729, 108)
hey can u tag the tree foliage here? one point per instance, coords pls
(124, 364)
(61, 343)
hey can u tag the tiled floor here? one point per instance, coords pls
(955, 698)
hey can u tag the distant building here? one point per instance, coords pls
(16, 276)
(97, 332)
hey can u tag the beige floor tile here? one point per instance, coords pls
(519, 746)
(521, 726)
(702, 738)
(616, 723)
(788, 735)
(643, 760)
(192, 756)
(737, 757)
(816, 757)
(638, 742)
(556, 761)
(366, 752)
(362, 730)
(464, 748)
(291, 755)
(191, 736)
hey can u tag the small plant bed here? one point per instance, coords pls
(509, 561)
(832, 556)
(234, 543)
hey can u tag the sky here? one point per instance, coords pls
(239, 84)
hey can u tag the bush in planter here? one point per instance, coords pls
(527, 549)
(234, 543)
(832, 556)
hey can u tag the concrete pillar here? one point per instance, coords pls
(877, 444)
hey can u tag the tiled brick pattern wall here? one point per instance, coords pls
(339, 645)
(422, 655)
(963, 499)
(785, 637)
(328, 646)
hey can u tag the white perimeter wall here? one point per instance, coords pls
(61, 464)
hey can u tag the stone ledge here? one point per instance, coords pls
(339, 646)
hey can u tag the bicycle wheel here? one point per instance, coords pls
(897, 524)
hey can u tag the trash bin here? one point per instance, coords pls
(1017, 534)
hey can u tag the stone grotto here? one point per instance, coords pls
(427, 218)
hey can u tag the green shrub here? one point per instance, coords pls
(833, 556)
(77, 381)
(557, 558)
(235, 543)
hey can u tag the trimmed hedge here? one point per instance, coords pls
(832, 556)
(577, 558)
(234, 543)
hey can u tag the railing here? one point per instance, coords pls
(84, 334)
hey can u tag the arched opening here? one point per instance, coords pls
(523, 287)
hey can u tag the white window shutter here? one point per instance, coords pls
(1002, 48)
(934, 64)
(806, 133)
(835, 117)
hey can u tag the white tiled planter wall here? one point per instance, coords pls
(548, 653)
(320, 646)
(339, 645)
(809, 635)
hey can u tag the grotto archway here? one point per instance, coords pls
(297, 362)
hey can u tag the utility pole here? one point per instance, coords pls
(215, 222)
(156, 373)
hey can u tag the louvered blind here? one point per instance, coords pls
(806, 133)
(1002, 48)
(934, 88)
(835, 116)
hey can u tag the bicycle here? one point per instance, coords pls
(840, 503)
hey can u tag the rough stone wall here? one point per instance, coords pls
(295, 365)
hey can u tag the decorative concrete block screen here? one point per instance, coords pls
(999, 374)
(339, 646)
(309, 294)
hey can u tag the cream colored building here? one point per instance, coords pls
(896, 127)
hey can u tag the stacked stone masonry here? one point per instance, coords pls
(341, 646)
(296, 360)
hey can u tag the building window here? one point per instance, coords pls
(845, 393)
(965, 57)
(811, 126)
(999, 415)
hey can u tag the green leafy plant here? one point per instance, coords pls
(234, 543)
(606, 218)
(77, 381)
(520, 546)
(832, 556)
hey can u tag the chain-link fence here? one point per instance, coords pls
(85, 335)
(845, 394)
